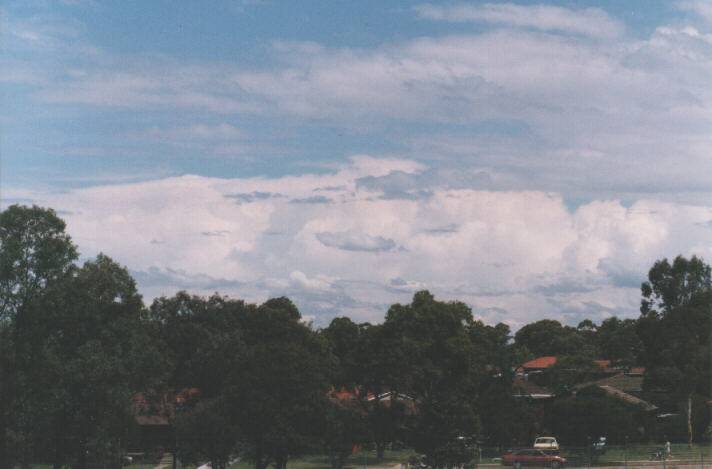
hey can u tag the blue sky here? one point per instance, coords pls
(532, 159)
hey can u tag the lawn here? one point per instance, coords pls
(637, 453)
(361, 459)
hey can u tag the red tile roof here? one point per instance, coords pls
(540, 363)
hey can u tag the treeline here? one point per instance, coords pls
(77, 345)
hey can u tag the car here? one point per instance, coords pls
(532, 457)
(600, 445)
(546, 442)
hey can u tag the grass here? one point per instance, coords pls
(636, 453)
(614, 454)
(367, 458)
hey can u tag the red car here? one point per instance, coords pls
(532, 457)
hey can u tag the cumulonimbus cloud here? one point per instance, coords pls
(513, 255)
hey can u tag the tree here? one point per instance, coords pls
(202, 337)
(91, 353)
(445, 374)
(673, 285)
(342, 337)
(570, 370)
(506, 420)
(618, 341)
(345, 429)
(205, 432)
(592, 413)
(277, 387)
(675, 328)
(383, 380)
(548, 337)
(34, 252)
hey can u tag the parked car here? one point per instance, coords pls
(546, 442)
(600, 445)
(532, 457)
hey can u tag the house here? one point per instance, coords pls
(625, 386)
(541, 364)
(350, 400)
(155, 412)
(525, 389)
(537, 365)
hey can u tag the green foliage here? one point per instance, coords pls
(345, 430)
(201, 337)
(34, 250)
(618, 341)
(88, 353)
(673, 285)
(549, 338)
(342, 337)
(571, 370)
(76, 344)
(205, 432)
(676, 329)
(444, 370)
(278, 384)
(592, 413)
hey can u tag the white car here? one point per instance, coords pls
(546, 443)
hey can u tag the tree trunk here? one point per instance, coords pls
(82, 457)
(4, 459)
(260, 462)
(380, 449)
(689, 418)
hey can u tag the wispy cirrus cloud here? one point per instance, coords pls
(533, 115)
(221, 131)
(589, 21)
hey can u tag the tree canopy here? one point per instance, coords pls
(78, 348)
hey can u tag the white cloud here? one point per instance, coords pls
(624, 118)
(222, 131)
(501, 129)
(701, 7)
(512, 255)
(590, 21)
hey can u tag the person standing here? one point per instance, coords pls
(667, 450)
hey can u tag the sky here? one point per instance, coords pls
(530, 159)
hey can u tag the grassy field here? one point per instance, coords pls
(367, 458)
(614, 455)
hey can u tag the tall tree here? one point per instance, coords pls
(673, 285)
(205, 432)
(383, 380)
(92, 354)
(342, 337)
(34, 252)
(675, 327)
(618, 341)
(201, 337)
(445, 374)
(278, 385)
